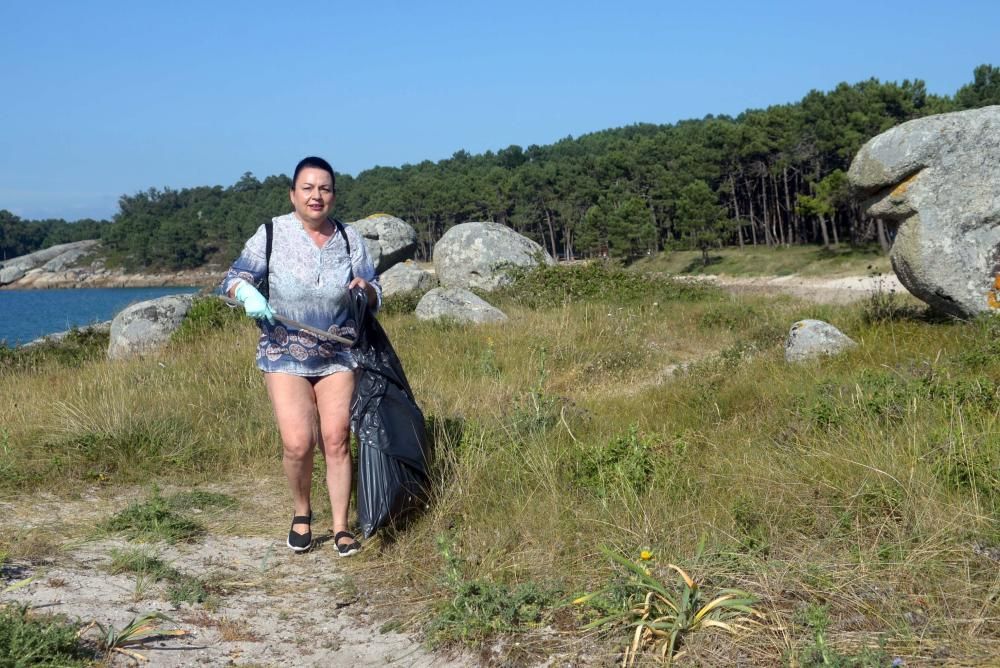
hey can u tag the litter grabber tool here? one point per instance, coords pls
(315, 331)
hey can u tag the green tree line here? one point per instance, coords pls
(768, 176)
(19, 237)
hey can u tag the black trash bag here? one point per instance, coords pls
(393, 449)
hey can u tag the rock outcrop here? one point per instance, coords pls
(56, 258)
(476, 255)
(458, 305)
(809, 339)
(147, 326)
(406, 277)
(389, 239)
(937, 180)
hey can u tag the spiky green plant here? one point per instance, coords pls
(140, 629)
(662, 617)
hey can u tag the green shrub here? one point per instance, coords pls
(478, 608)
(153, 519)
(623, 465)
(29, 640)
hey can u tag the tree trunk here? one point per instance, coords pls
(777, 214)
(793, 218)
(883, 238)
(833, 227)
(768, 237)
(552, 232)
(822, 227)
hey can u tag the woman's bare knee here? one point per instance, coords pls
(298, 450)
(337, 445)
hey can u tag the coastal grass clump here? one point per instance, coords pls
(195, 412)
(149, 569)
(634, 415)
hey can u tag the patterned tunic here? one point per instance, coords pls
(308, 284)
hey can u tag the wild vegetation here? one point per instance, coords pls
(618, 426)
(772, 176)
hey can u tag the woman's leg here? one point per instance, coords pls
(294, 403)
(333, 399)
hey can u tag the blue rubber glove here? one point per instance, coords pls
(253, 302)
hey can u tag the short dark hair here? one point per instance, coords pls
(317, 163)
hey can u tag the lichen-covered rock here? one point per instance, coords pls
(809, 339)
(476, 255)
(146, 326)
(458, 305)
(406, 277)
(937, 179)
(389, 239)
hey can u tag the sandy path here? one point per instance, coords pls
(824, 290)
(270, 607)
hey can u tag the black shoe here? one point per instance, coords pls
(346, 549)
(300, 542)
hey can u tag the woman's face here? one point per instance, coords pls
(312, 195)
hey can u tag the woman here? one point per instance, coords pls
(314, 262)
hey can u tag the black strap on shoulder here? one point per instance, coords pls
(265, 285)
(350, 260)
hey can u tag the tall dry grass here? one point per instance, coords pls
(862, 490)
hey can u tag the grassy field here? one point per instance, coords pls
(813, 261)
(617, 424)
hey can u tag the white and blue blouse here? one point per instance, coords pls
(308, 283)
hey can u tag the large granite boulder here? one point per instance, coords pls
(809, 339)
(458, 305)
(389, 239)
(476, 255)
(147, 326)
(406, 277)
(937, 181)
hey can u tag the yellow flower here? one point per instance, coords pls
(645, 555)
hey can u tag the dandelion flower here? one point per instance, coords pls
(645, 555)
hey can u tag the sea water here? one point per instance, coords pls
(26, 315)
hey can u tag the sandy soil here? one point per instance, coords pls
(270, 607)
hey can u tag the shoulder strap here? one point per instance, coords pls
(343, 233)
(269, 236)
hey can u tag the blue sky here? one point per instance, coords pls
(102, 98)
